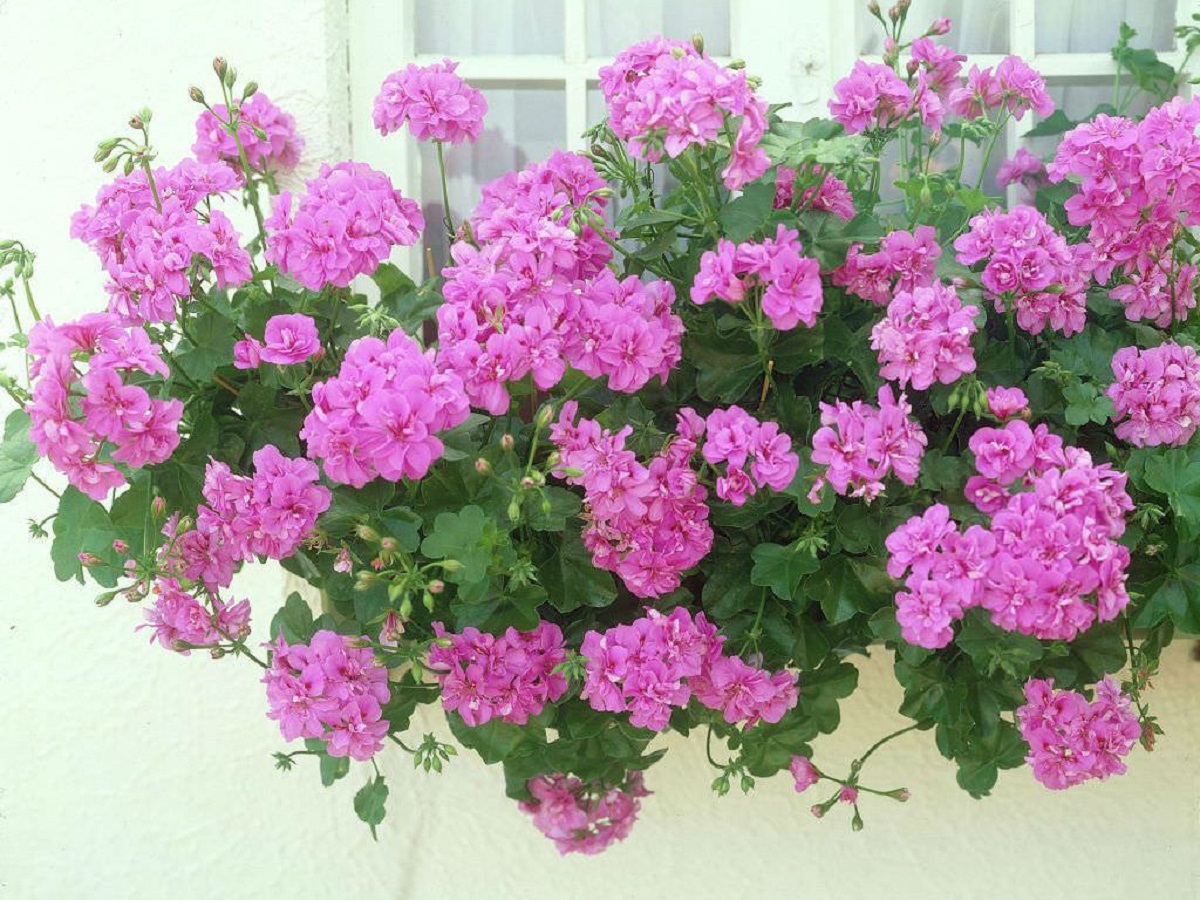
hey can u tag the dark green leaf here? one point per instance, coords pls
(371, 803)
(83, 526)
(294, 621)
(782, 569)
(17, 455)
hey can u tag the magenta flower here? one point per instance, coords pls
(290, 339)
(803, 772)
(267, 136)
(436, 104)
(1156, 394)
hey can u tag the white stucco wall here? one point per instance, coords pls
(128, 772)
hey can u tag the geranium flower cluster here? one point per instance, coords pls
(790, 282)
(1048, 565)
(646, 523)
(1030, 266)
(905, 261)
(1139, 183)
(1013, 85)
(508, 677)
(1006, 402)
(734, 437)
(332, 689)
(860, 445)
(925, 337)
(346, 224)
(81, 418)
(535, 295)
(873, 96)
(148, 238)
(829, 194)
(287, 341)
(1156, 395)
(664, 96)
(583, 817)
(265, 133)
(380, 415)
(1024, 169)
(180, 621)
(267, 514)
(1071, 740)
(659, 662)
(436, 104)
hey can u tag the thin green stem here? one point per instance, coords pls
(37, 316)
(36, 478)
(447, 220)
(954, 430)
(883, 740)
(403, 746)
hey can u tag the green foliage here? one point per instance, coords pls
(370, 803)
(17, 455)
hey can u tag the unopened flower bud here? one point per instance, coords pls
(367, 533)
(364, 579)
(158, 506)
(436, 586)
(506, 442)
(482, 466)
(514, 509)
(220, 66)
(856, 823)
(390, 544)
(544, 416)
(119, 546)
(527, 482)
(819, 810)
(451, 565)
(89, 560)
(873, 8)
(894, 12)
(698, 42)
(939, 26)
(406, 608)
(106, 598)
(196, 94)
(911, 66)
(427, 601)
(217, 652)
(250, 90)
(136, 123)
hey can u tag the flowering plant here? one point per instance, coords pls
(684, 424)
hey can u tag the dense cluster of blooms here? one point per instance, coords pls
(828, 194)
(148, 237)
(925, 337)
(380, 415)
(1050, 546)
(435, 102)
(1156, 394)
(508, 677)
(905, 261)
(288, 340)
(1071, 740)
(346, 224)
(659, 662)
(860, 445)
(1022, 168)
(734, 437)
(583, 817)
(265, 133)
(332, 689)
(180, 621)
(664, 96)
(873, 96)
(1013, 85)
(790, 282)
(80, 418)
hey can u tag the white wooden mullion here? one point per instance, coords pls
(576, 84)
(1022, 42)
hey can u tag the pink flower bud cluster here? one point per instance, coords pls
(925, 337)
(1047, 565)
(179, 618)
(905, 261)
(860, 445)
(828, 194)
(288, 340)
(664, 96)
(345, 225)
(646, 523)
(583, 817)
(734, 437)
(790, 283)
(1156, 394)
(660, 662)
(265, 132)
(436, 104)
(380, 415)
(1071, 740)
(535, 296)
(508, 677)
(1013, 85)
(88, 401)
(332, 689)
(152, 240)
(1030, 267)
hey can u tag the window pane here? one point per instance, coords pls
(1090, 26)
(488, 27)
(977, 26)
(522, 125)
(612, 25)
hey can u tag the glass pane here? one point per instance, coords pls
(522, 126)
(488, 27)
(977, 26)
(612, 25)
(1090, 26)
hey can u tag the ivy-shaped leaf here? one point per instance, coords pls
(370, 803)
(17, 455)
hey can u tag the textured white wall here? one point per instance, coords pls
(128, 772)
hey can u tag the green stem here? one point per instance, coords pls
(37, 316)
(447, 220)
(883, 740)
(35, 477)
(954, 430)
(403, 746)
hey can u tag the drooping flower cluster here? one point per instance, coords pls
(436, 104)
(1048, 564)
(1029, 268)
(790, 282)
(332, 689)
(659, 662)
(1071, 740)
(1156, 394)
(535, 296)
(828, 194)
(646, 523)
(287, 341)
(925, 337)
(734, 437)
(380, 415)
(1013, 85)
(346, 224)
(583, 817)
(151, 240)
(860, 445)
(905, 261)
(664, 96)
(180, 621)
(80, 417)
(265, 133)
(508, 677)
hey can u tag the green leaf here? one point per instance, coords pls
(294, 620)
(466, 536)
(83, 526)
(727, 588)
(208, 346)
(992, 648)
(1176, 474)
(1086, 403)
(494, 740)
(847, 586)
(570, 578)
(742, 217)
(1177, 598)
(371, 803)
(1056, 123)
(404, 525)
(552, 508)
(1002, 748)
(17, 455)
(782, 569)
